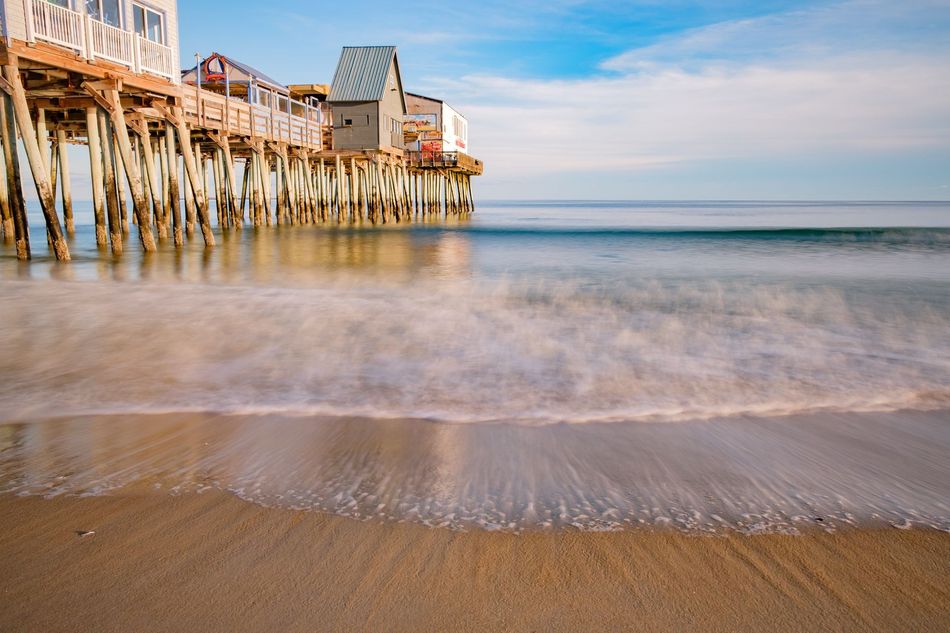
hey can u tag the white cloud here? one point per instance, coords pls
(796, 83)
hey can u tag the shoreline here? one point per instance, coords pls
(213, 562)
(748, 475)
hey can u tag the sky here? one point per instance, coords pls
(646, 99)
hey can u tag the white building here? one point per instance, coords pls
(140, 36)
(433, 126)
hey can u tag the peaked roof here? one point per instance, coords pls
(244, 73)
(362, 72)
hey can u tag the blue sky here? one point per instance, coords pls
(646, 98)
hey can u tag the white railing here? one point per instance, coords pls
(111, 43)
(155, 58)
(94, 39)
(57, 25)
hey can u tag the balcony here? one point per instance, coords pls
(92, 39)
(458, 161)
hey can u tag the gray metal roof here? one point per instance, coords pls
(362, 72)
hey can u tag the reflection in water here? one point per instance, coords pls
(264, 255)
(750, 475)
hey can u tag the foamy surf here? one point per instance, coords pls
(469, 352)
(747, 475)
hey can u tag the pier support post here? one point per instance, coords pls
(66, 185)
(148, 161)
(131, 171)
(191, 169)
(11, 161)
(237, 214)
(37, 163)
(6, 215)
(173, 188)
(116, 228)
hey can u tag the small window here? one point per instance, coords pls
(347, 122)
(148, 23)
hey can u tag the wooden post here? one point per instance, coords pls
(281, 175)
(236, 213)
(191, 169)
(190, 217)
(173, 188)
(131, 171)
(66, 185)
(321, 181)
(148, 161)
(37, 163)
(339, 187)
(255, 182)
(166, 182)
(112, 201)
(220, 203)
(245, 177)
(119, 182)
(6, 215)
(42, 139)
(264, 162)
(11, 161)
(311, 194)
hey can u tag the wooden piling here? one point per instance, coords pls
(66, 186)
(191, 169)
(11, 160)
(237, 214)
(173, 188)
(6, 215)
(37, 163)
(116, 229)
(134, 176)
(150, 175)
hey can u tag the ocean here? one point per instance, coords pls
(595, 365)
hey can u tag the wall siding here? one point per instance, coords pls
(13, 17)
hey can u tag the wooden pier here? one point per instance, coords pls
(172, 148)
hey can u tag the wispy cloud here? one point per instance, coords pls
(848, 79)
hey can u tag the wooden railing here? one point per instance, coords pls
(56, 24)
(209, 110)
(156, 58)
(110, 43)
(94, 39)
(456, 160)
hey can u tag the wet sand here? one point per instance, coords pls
(211, 562)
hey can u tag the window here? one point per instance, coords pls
(105, 11)
(347, 122)
(148, 23)
(396, 126)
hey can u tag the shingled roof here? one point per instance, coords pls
(362, 73)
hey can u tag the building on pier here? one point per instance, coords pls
(228, 77)
(368, 100)
(433, 126)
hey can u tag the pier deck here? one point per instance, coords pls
(71, 79)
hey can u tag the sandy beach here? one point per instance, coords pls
(211, 562)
